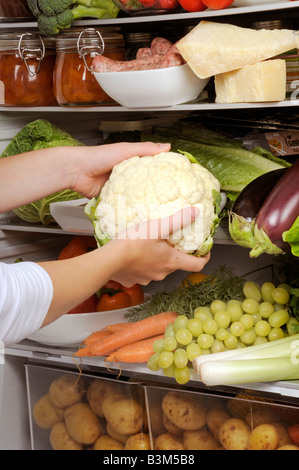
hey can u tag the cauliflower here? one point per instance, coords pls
(152, 187)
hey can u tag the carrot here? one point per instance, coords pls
(115, 327)
(140, 351)
(84, 352)
(96, 336)
(150, 326)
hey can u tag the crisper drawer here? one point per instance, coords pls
(73, 411)
(182, 420)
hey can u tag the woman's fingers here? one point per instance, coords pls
(162, 228)
(187, 262)
(143, 148)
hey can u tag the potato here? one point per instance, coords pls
(116, 435)
(45, 414)
(60, 438)
(184, 410)
(82, 423)
(201, 439)
(234, 434)
(105, 442)
(97, 391)
(259, 416)
(215, 418)
(124, 414)
(66, 390)
(282, 434)
(263, 437)
(288, 447)
(156, 418)
(140, 441)
(172, 428)
(167, 441)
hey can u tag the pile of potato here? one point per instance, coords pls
(189, 421)
(96, 415)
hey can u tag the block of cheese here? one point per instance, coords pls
(264, 81)
(212, 48)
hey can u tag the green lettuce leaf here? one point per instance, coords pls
(291, 236)
(234, 167)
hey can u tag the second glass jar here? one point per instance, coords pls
(74, 83)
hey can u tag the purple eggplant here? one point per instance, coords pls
(247, 205)
(277, 214)
(252, 197)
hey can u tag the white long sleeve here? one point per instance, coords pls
(26, 292)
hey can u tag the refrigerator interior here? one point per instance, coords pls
(38, 244)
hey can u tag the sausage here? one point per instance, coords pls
(167, 60)
(104, 64)
(160, 45)
(143, 52)
(161, 54)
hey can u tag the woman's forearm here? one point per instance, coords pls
(77, 278)
(33, 175)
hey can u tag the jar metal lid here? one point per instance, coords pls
(89, 37)
(139, 37)
(11, 41)
(270, 24)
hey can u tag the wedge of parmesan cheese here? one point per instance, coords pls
(211, 48)
(264, 81)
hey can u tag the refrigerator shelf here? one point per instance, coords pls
(186, 107)
(221, 237)
(36, 353)
(232, 10)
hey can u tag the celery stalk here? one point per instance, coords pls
(233, 372)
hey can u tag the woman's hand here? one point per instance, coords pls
(93, 166)
(135, 257)
(146, 255)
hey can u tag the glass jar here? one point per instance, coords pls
(14, 9)
(135, 41)
(74, 83)
(26, 69)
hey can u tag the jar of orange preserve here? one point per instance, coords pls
(74, 83)
(26, 69)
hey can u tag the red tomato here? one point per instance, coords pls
(87, 306)
(135, 293)
(113, 302)
(218, 4)
(193, 5)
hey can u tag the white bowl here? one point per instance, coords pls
(70, 216)
(152, 88)
(73, 328)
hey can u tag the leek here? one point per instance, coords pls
(277, 360)
(236, 371)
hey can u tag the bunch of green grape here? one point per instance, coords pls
(262, 316)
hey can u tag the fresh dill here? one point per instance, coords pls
(222, 284)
